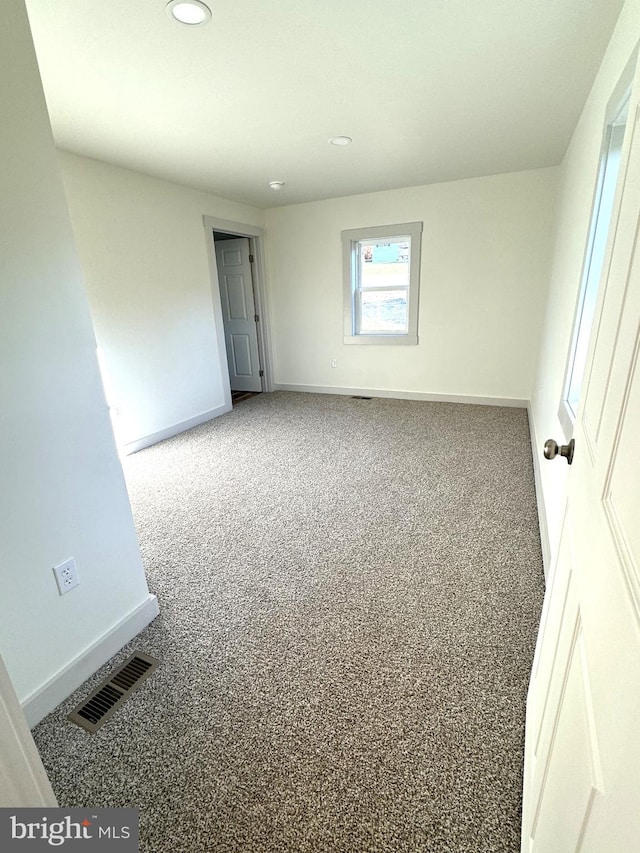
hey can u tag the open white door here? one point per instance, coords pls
(582, 753)
(23, 779)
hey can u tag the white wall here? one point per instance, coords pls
(62, 491)
(485, 260)
(578, 176)
(143, 250)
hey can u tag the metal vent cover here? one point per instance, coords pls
(113, 692)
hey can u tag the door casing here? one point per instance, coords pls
(256, 244)
(23, 779)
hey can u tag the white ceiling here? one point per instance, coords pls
(430, 90)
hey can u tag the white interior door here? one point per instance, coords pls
(239, 313)
(23, 779)
(582, 753)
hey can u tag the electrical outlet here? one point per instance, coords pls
(66, 575)
(334, 362)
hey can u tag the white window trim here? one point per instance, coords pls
(350, 239)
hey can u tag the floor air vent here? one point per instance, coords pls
(113, 692)
(356, 397)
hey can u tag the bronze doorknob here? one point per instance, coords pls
(551, 450)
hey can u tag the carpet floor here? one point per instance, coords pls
(350, 592)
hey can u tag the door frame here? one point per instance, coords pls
(256, 235)
(23, 779)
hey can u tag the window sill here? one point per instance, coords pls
(382, 340)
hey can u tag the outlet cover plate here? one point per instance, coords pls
(66, 576)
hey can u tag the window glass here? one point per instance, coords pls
(383, 311)
(594, 260)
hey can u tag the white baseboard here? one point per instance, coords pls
(542, 511)
(514, 402)
(175, 429)
(54, 691)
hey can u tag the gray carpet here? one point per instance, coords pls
(350, 592)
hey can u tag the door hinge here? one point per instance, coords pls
(256, 317)
(251, 259)
(261, 373)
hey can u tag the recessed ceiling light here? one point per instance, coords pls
(276, 185)
(341, 140)
(189, 12)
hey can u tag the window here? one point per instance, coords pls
(601, 215)
(381, 283)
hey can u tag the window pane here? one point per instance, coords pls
(601, 220)
(385, 263)
(383, 311)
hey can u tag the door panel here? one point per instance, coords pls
(559, 709)
(231, 257)
(622, 483)
(544, 665)
(573, 746)
(238, 314)
(234, 286)
(241, 349)
(566, 738)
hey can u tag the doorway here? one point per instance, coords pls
(240, 303)
(234, 262)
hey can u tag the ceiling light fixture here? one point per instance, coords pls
(276, 185)
(193, 13)
(341, 140)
